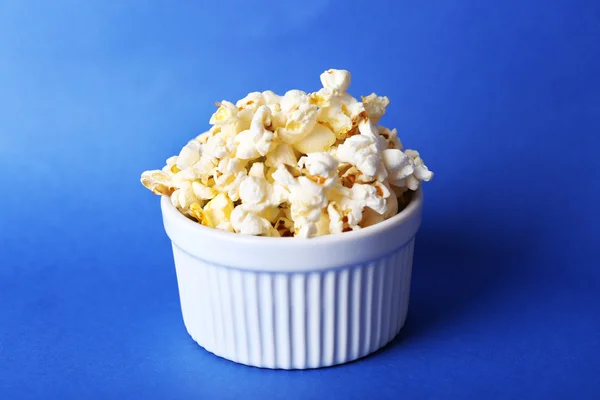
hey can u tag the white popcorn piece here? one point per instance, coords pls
(398, 165)
(253, 193)
(422, 173)
(320, 165)
(248, 223)
(319, 139)
(391, 137)
(336, 79)
(299, 124)
(282, 154)
(336, 120)
(225, 226)
(370, 217)
(360, 151)
(322, 97)
(225, 114)
(258, 140)
(189, 155)
(216, 146)
(301, 116)
(171, 166)
(257, 170)
(307, 199)
(184, 196)
(292, 100)
(270, 97)
(203, 192)
(336, 224)
(362, 196)
(204, 168)
(283, 177)
(368, 128)
(375, 106)
(414, 173)
(251, 102)
(158, 182)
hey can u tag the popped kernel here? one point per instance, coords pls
(375, 106)
(219, 209)
(200, 215)
(158, 182)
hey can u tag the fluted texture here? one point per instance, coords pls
(295, 320)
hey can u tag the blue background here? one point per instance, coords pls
(502, 99)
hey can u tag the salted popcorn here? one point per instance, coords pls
(297, 165)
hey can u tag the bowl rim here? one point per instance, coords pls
(172, 213)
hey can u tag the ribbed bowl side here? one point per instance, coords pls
(295, 320)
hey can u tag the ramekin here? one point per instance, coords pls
(293, 303)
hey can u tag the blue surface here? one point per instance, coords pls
(501, 98)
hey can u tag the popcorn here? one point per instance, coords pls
(248, 223)
(158, 182)
(189, 155)
(335, 79)
(336, 120)
(271, 98)
(390, 136)
(225, 114)
(398, 165)
(301, 164)
(301, 119)
(362, 152)
(319, 139)
(258, 140)
(203, 192)
(282, 154)
(321, 98)
(184, 197)
(219, 209)
(375, 106)
(322, 166)
(284, 226)
(200, 215)
(252, 101)
(171, 167)
(421, 172)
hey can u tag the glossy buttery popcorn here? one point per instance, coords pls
(295, 165)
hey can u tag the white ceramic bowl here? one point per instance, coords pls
(294, 303)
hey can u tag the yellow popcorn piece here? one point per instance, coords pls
(323, 224)
(200, 215)
(219, 209)
(158, 182)
(270, 214)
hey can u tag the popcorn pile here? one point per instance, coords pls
(295, 165)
